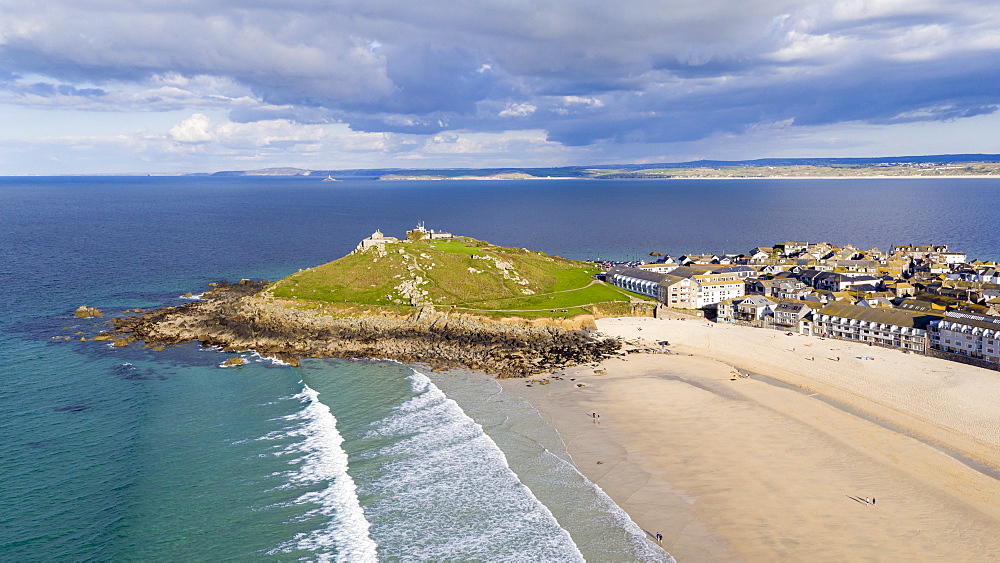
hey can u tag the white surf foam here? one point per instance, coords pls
(446, 491)
(346, 536)
(256, 357)
(642, 547)
(599, 527)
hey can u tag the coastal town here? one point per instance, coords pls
(922, 299)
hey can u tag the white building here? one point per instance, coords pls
(659, 267)
(893, 328)
(952, 257)
(692, 289)
(377, 239)
(635, 280)
(711, 290)
(968, 334)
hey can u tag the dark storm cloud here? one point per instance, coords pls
(583, 70)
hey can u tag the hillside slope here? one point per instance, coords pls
(462, 274)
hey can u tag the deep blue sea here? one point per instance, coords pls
(130, 454)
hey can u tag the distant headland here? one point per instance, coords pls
(931, 166)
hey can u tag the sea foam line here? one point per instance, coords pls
(324, 460)
(257, 357)
(601, 529)
(641, 546)
(459, 496)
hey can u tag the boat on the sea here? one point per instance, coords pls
(330, 179)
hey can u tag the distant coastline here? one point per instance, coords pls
(873, 177)
(885, 177)
(943, 167)
(949, 166)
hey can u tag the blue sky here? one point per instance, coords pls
(91, 86)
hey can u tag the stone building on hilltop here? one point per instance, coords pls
(377, 239)
(419, 233)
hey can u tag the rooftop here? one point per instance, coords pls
(897, 317)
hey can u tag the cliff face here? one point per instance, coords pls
(235, 318)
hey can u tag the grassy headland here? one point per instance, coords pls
(446, 303)
(461, 274)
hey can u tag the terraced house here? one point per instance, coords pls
(635, 280)
(968, 334)
(891, 328)
(683, 288)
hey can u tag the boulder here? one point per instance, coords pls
(85, 312)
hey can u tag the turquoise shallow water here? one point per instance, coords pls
(129, 454)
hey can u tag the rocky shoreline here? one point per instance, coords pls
(235, 318)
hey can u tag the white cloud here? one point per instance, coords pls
(799, 46)
(925, 42)
(518, 110)
(194, 129)
(199, 129)
(854, 10)
(588, 101)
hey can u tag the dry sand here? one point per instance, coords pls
(749, 470)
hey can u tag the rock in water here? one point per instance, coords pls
(85, 312)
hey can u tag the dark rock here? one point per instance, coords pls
(234, 318)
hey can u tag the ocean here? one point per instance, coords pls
(128, 454)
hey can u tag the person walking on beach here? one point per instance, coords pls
(659, 537)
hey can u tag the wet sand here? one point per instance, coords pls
(732, 468)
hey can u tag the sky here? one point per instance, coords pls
(179, 86)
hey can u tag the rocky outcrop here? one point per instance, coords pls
(235, 318)
(85, 312)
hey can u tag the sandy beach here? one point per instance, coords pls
(735, 468)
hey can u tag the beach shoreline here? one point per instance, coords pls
(729, 467)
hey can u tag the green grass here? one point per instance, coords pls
(463, 273)
(598, 293)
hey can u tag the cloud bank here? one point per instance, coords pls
(584, 73)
